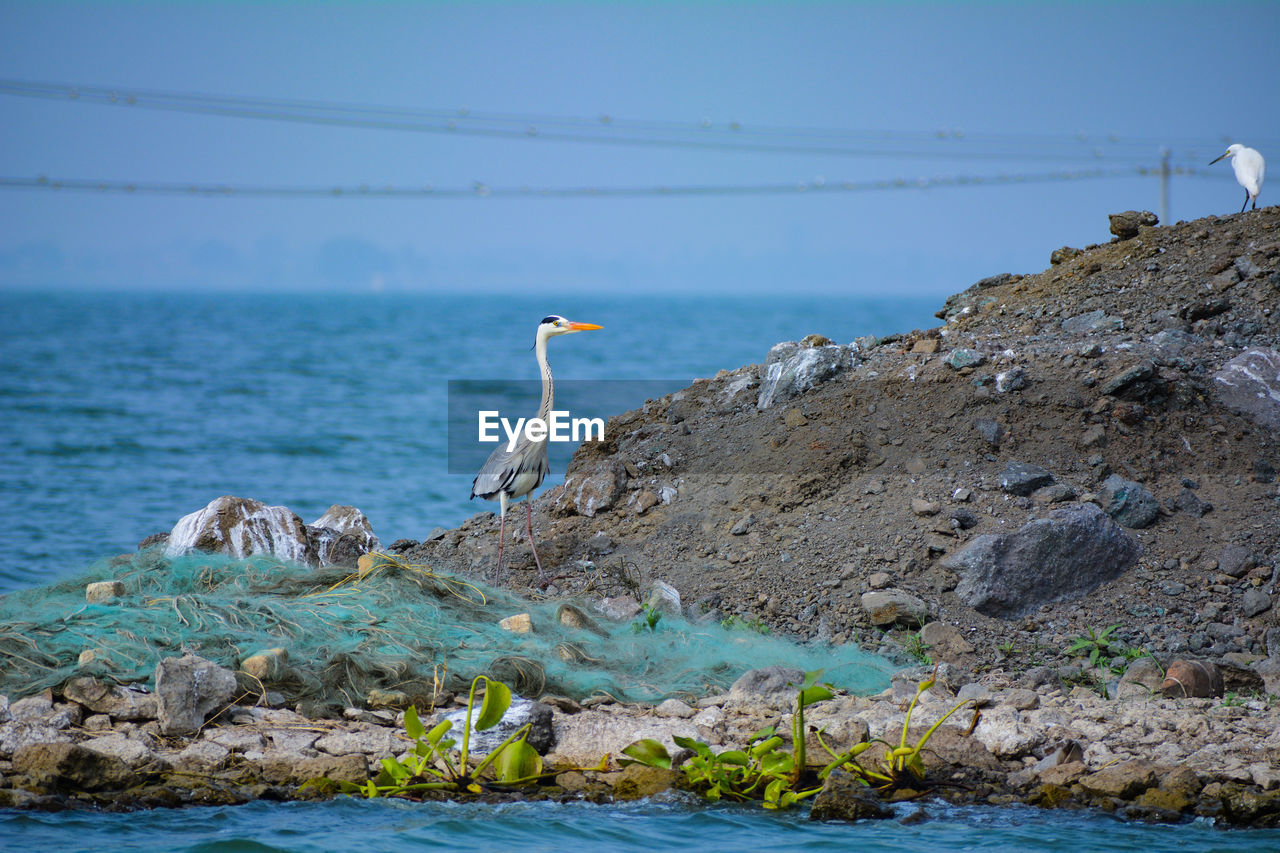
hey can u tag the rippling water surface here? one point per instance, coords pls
(121, 413)
(355, 826)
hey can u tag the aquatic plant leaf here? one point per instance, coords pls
(518, 761)
(649, 752)
(497, 699)
(412, 725)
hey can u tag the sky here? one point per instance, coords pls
(789, 101)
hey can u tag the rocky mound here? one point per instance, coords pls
(1092, 445)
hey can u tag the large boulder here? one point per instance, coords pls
(240, 527)
(189, 689)
(1250, 384)
(792, 368)
(341, 536)
(71, 767)
(1065, 555)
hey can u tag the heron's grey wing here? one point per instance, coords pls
(503, 466)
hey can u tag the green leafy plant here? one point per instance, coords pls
(431, 765)
(649, 618)
(735, 622)
(901, 764)
(1096, 646)
(915, 646)
(763, 771)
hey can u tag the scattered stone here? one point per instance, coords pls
(594, 490)
(674, 708)
(1250, 384)
(1255, 602)
(240, 527)
(372, 741)
(619, 608)
(1023, 478)
(1090, 323)
(1129, 503)
(1126, 225)
(774, 683)
(962, 357)
(1061, 256)
(1236, 561)
(1189, 502)
(791, 369)
(522, 711)
(794, 418)
(573, 617)
(132, 752)
(201, 756)
(926, 346)
(103, 592)
(945, 639)
(991, 431)
(1014, 379)
(267, 665)
(922, 507)
(1065, 555)
(1133, 383)
(893, 607)
(121, 703)
(1193, 678)
(844, 797)
(638, 781)
(1125, 780)
(70, 767)
(341, 536)
(517, 623)
(665, 598)
(189, 688)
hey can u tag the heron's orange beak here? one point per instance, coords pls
(583, 327)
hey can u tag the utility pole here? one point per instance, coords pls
(1164, 186)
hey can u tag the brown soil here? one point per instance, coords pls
(784, 517)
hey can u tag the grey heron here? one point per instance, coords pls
(511, 474)
(1250, 169)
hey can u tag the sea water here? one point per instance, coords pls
(388, 826)
(119, 413)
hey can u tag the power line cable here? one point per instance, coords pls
(600, 131)
(482, 190)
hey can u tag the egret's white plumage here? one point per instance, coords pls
(1250, 170)
(509, 475)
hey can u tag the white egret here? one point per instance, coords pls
(509, 475)
(1250, 169)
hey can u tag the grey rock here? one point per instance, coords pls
(1061, 256)
(537, 715)
(1136, 382)
(1054, 493)
(977, 695)
(664, 597)
(122, 703)
(1246, 267)
(1092, 321)
(674, 708)
(886, 607)
(201, 756)
(1129, 503)
(1126, 225)
(997, 280)
(132, 752)
(791, 369)
(592, 491)
(240, 527)
(770, 682)
(1254, 602)
(341, 536)
(1013, 379)
(70, 767)
(1250, 385)
(16, 734)
(1189, 502)
(1023, 478)
(236, 738)
(962, 357)
(1065, 555)
(372, 741)
(1236, 561)
(189, 689)
(991, 431)
(843, 797)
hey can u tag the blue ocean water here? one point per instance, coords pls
(120, 413)
(355, 826)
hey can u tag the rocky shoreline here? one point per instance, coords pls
(1066, 496)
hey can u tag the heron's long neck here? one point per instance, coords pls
(548, 385)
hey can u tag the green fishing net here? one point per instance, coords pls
(390, 626)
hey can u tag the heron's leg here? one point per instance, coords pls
(528, 526)
(1246, 202)
(502, 536)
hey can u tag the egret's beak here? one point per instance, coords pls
(583, 327)
(1211, 162)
